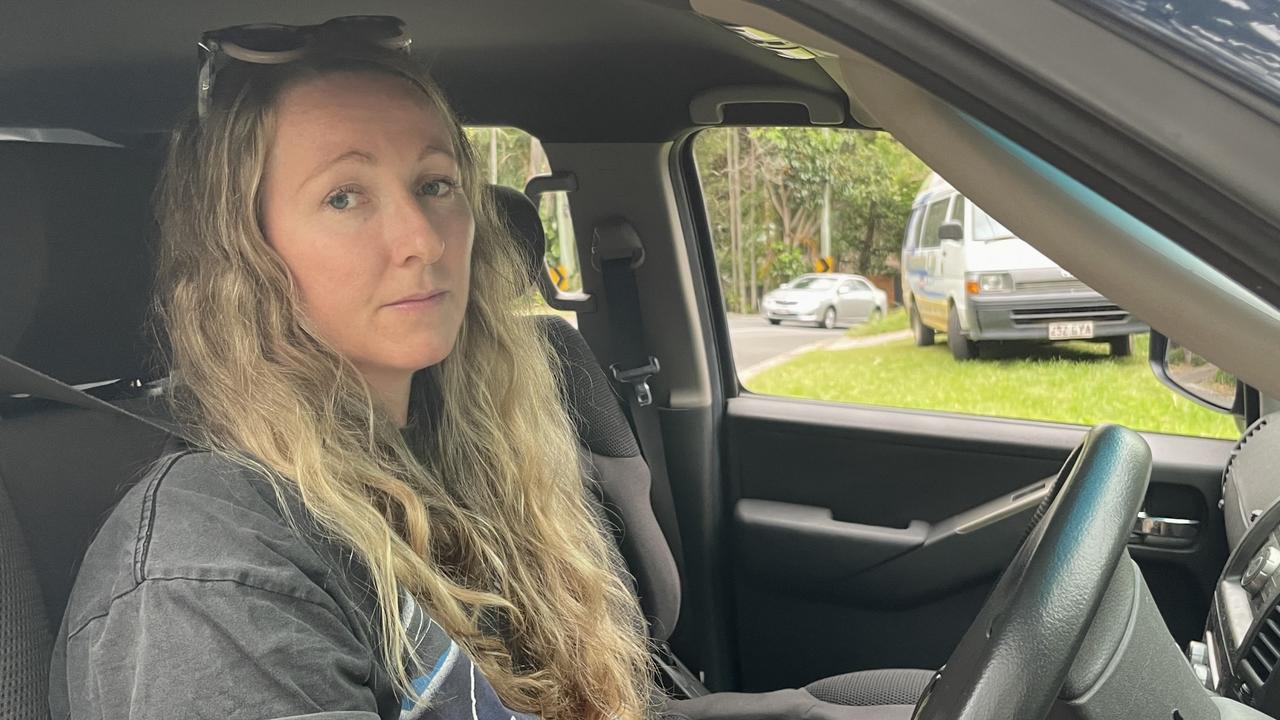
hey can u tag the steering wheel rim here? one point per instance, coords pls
(1014, 658)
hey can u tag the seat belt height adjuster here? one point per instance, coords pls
(638, 379)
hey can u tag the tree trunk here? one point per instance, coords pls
(493, 156)
(735, 219)
(868, 241)
(824, 249)
(564, 231)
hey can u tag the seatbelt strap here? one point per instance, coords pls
(616, 251)
(18, 379)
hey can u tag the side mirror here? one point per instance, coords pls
(1191, 375)
(951, 231)
(784, 286)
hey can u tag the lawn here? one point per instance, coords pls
(895, 319)
(1069, 382)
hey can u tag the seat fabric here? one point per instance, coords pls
(604, 430)
(61, 469)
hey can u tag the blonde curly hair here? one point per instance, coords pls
(486, 515)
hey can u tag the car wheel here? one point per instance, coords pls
(774, 321)
(921, 333)
(1121, 346)
(828, 320)
(962, 348)
(875, 315)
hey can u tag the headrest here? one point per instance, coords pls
(521, 216)
(75, 259)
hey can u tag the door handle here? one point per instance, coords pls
(1165, 531)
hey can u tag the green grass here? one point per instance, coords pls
(1070, 382)
(891, 321)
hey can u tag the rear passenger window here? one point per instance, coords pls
(1028, 340)
(510, 156)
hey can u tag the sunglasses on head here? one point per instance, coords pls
(274, 44)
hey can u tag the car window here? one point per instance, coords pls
(933, 218)
(511, 157)
(814, 283)
(1035, 342)
(986, 227)
(910, 238)
(957, 210)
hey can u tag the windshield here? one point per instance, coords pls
(811, 283)
(986, 227)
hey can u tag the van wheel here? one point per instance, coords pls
(1122, 346)
(774, 321)
(828, 320)
(922, 334)
(962, 348)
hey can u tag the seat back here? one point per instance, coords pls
(74, 286)
(614, 464)
(75, 270)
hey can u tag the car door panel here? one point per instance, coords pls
(868, 537)
(846, 302)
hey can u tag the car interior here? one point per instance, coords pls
(848, 550)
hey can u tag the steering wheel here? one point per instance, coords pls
(1013, 660)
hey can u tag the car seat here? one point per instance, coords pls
(624, 481)
(75, 270)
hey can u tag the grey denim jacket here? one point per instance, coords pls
(198, 599)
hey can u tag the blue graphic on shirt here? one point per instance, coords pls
(452, 689)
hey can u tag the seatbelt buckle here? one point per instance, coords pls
(638, 379)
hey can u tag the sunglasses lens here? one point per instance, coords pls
(266, 38)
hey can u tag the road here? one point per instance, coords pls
(756, 341)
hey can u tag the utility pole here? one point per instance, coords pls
(826, 220)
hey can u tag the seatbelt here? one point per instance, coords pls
(18, 379)
(616, 251)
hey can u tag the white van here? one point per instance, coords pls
(966, 275)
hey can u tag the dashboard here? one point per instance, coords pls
(1239, 656)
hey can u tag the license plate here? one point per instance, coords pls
(1071, 330)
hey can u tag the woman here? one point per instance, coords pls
(382, 515)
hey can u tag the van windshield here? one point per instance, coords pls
(986, 227)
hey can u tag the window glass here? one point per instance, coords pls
(911, 238)
(814, 283)
(932, 221)
(767, 191)
(986, 227)
(1238, 39)
(511, 157)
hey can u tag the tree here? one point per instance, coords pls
(766, 188)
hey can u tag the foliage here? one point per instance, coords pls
(1070, 383)
(785, 263)
(510, 156)
(893, 321)
(765, 189)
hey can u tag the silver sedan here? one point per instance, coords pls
(826, 300)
